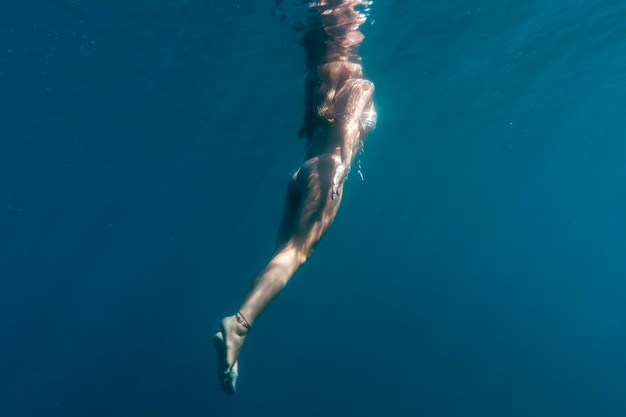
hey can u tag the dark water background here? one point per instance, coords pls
(477, 271)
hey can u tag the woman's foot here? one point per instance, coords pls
(228, 342)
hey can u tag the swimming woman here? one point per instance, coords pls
(339, 113)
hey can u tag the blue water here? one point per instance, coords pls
(478, 270)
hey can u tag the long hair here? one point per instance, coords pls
(331, 41)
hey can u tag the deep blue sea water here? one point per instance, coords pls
(478, 270)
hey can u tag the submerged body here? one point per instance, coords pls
(339, 113)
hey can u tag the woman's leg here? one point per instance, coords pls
(313, 198)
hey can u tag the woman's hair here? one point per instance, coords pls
(322, 84)
(331, 41)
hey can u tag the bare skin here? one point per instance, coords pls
(339, 113)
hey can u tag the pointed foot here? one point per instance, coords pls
(226, 374)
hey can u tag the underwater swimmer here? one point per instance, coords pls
(339, 114)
